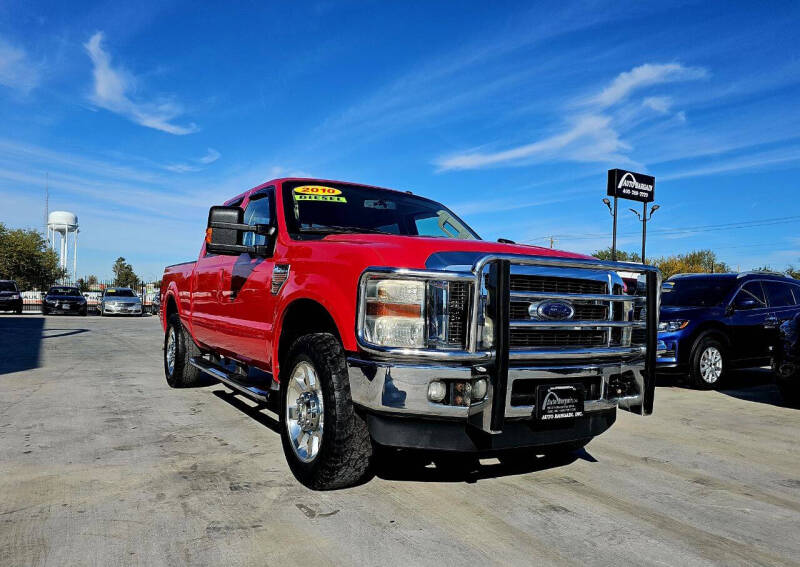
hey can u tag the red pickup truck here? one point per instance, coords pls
(373, 318)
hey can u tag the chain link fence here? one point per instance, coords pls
(148, 292)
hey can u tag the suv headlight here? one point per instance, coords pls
(672, 326)
(414, 312)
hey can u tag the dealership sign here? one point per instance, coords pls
(630, 185)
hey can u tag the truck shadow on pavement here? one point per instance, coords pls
(21, 342)
(425, 466)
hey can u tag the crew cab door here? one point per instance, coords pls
(244, 294)
(747, 321)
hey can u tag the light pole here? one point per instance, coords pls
(614, 230)
(644, 218)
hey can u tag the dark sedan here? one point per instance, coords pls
(10, 297)
(63, 299)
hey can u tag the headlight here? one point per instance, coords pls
(672, 326)
(415, 313)
(395, 314)
(14, 296)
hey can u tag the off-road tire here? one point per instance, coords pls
(703, 343)
(183, 374)
(346, 451)
(516, 458)
(18, 311)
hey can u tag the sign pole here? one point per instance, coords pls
(644, 228)
(614, 234)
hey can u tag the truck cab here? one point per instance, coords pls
(374, 318)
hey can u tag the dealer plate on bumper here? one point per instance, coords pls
(564, 401)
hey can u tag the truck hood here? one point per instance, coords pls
(439, 253)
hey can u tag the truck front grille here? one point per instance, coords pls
(534, 338)
(583, 311)
(547, 284)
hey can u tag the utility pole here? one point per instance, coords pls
(613, 212)
(552, 242)
(644, 218)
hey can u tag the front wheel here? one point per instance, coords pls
(709, 363)
(326, 443)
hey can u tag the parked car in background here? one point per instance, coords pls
(64, 299)
(10, 297)
(711, 323)
(120, 301)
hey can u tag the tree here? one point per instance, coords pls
(124, 276)
(87, 283)
(26, 258)
(622, 255)
(696, 262)
(793, 272)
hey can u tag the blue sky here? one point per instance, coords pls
(145, 114)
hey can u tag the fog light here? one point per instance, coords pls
(436, 391)
(479, 388)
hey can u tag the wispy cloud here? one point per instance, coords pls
(644, 76)
(111, 88)
(210, 157)
(17, 71)
(591, 136)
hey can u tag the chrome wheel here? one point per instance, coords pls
(711, 365)
(305, 415)
(169, 352)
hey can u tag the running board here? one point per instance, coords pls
(227, 378)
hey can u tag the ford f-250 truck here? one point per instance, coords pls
(376, 318)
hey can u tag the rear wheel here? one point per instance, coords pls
(179, 348)
(326, 443)
(709, 362)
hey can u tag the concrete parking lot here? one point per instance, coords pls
(102, 464)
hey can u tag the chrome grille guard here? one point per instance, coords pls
(498, 357)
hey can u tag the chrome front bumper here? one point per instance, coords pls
(401, 389)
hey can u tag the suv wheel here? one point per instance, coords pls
(179, 348)
(326, 443)
(709, 362)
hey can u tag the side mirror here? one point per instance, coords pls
(745, 303)
(225, 229)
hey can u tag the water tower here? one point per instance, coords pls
(64, 224)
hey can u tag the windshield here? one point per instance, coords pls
(120, 293)
(340, 208)
(64, 291)
(8, 286)
(696, 292)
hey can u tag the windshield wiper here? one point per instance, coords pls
(339, 229)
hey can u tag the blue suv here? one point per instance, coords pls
(711, 323)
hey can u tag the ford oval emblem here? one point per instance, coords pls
(552, 310)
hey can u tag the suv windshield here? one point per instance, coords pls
(317, 208)
(696, 292)
(8, 286)
(64, 291)
(120, 293)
